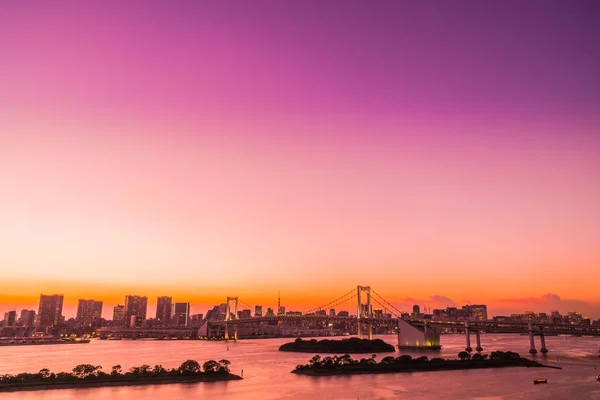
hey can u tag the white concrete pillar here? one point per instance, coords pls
(478, 338)
(532, 349)
(358, 314)
(468, 336)
(543, 341)
(369, 314)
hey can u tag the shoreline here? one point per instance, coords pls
(18, 387)
(453, 365)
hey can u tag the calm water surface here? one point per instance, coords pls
(267, 371)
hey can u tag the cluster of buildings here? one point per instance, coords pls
(49, 319)
(555, 317)
(168, 313)
(218, 313)
(468, 312)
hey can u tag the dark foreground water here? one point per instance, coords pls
(267, 371)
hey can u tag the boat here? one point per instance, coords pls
(540, 380)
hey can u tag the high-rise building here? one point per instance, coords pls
(10, 318)
(366, 310)
(270, 312)
(343, 314)
(416, 310)
(27, 318)
(181, 314)
(332, 312)
(479, 312)
(135, 310)
(119, 314)
(244, 313)
(50, 310)
(556, 317)
(97, 310)
(164, 305)
(217, 313)
(196, 319)
(258, 311)
(86, 310)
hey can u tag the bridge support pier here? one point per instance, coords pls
(543, 350)
(532, 349)
(362, 313)
(478, 338)
(358, 327)
(468, 336)
(226, 336)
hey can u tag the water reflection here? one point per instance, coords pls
(267, 371)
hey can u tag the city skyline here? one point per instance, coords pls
(204, 151)
(152, 308)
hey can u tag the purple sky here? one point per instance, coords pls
(278, 140)
(319, 58)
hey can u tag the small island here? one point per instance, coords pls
(350, 345)
(345, 365)
(88, 375)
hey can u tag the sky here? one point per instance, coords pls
(441, 152)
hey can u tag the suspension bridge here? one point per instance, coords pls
(412, 333)
(363, 323)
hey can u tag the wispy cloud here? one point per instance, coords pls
(546, 303)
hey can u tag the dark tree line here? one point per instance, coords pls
(90, 372)
(346, 360)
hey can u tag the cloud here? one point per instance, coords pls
(546, 303)
(433, 302)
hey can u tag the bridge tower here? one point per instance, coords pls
(361, 313)
(228, 316)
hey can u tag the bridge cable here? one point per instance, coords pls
(330, 303)
(375, 300)
(387, 302)
(244, 304)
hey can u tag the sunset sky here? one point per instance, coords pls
(437, 151)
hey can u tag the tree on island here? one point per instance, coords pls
(88, 373)
(190, 367)
(142, 370)
(84, 370)
(224, 365)
(404, 358)
(388, 360)
(315, 362)
(115, 370)
(44, 373)
(464, 356)
(159, 370)
(210, 366)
